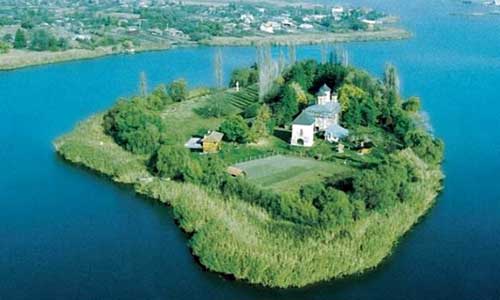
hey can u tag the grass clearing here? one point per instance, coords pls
(186, 121)
(286, 173)
(183, 117)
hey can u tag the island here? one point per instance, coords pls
(299, 172)
(58, 31)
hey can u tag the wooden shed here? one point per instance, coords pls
(212, 142)
(236, 172)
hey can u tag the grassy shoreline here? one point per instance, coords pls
(17, 59)
(255, 248)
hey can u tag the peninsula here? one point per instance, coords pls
(299, 172)
(69, 30)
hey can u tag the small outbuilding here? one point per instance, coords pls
(334, 133)
(212, 142)
(236, 172)
(194, 143)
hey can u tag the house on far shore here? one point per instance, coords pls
(210, 143)
(321, 117)
(337, 12)
(369, 23)
(270, 27)
(306, 26)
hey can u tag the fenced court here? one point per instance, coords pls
(282, 173)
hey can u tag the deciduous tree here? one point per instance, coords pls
(235, 129)
(20, 39)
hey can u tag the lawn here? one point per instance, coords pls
(184, 122)
(288, 173)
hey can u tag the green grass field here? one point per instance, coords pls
(183, 118)
(288, 173)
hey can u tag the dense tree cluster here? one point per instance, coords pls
(235, 129)
(244, 77)
(136, 124)
(37, 40)
(177, 90)
(4, 47)
(20, 40)
(42, 40)
(175, 162)
(365, 102)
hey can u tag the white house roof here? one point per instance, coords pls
(327, 109)
(337, 131)
(304, 119)
(324, 90)
(194, 143)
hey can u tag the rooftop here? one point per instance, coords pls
(337, 131)
(328, 109)
(193, 143)
(213, 137)
(324, 90)
(304, 119)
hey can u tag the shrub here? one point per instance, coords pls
(134, 126)
(251, 110)
(175, 162)
(235, 129)
(245, 77)
(177, 90)
(425, 146)
(337, 209)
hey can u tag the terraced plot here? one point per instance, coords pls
(245, 97)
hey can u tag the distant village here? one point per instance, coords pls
(127, 24)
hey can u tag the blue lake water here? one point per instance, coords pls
(66, 233)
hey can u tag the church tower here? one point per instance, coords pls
(324, 95)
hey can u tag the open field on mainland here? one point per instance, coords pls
(311, 38)
(23, 58)
(286, 173)
(273, 2)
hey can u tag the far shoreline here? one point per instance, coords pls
(20, 59)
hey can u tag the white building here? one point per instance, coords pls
(322, 117)
(270, 27)
(247, 18)
(287, 23)
(337, 12)
(369, 23)
(306, 26)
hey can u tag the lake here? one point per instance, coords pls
(67, 233)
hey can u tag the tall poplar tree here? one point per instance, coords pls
(218, 68)
(143, 85)
(20, 39)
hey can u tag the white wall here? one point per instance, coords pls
(304, 133)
